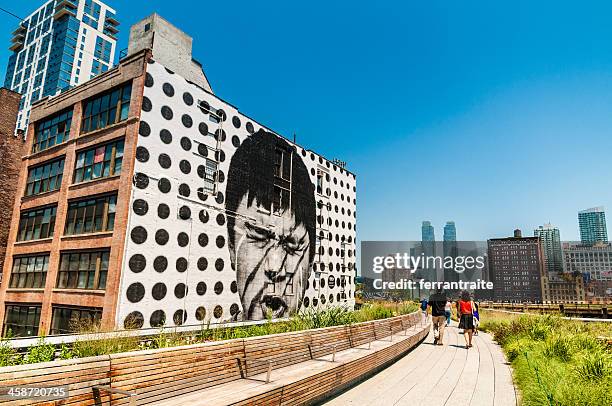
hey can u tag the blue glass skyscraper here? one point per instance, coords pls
(427, 232)
(61, 44)
(450, 232)
(592, 223)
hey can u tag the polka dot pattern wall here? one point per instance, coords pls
(180, 262)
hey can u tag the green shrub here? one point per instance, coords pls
(8, 355)
(594, 366)
(40, 352)
(558, 346)
(66, 352)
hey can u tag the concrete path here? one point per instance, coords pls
(440, 375)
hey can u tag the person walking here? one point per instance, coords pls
(447, 312)
(437, 302)
(424, 308)
(465, 307)
(476, 318)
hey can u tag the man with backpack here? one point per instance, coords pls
(437, 302)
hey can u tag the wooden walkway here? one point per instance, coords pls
(440, 375)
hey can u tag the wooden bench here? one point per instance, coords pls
(265, 367)
(78, 375)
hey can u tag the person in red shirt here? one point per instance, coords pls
(465, 310)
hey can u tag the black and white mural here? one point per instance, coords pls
(229, 221)
(272, 233)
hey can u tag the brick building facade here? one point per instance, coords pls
(11, 151)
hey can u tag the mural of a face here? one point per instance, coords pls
(272, 234)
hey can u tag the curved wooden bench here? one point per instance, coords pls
(329, 359)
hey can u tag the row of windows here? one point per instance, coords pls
(45, 178)
(83, 270)
(23, 320)
(52, 131)
(99, 112)
(29, 272)
(36, 224)
(84, 216)
(107, 109)
(77, 270)
(93, 163)
(99, 162)
(91, 215)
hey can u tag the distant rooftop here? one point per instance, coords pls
(598, 209)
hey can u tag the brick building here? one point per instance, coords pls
(563, 288)
(11, 151)
(146, 200)
(516, 266)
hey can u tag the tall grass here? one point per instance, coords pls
(555, 361)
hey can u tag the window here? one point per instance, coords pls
(36, 224)
(83, 270)
(282, 180)
(91, 215)
(68, 320)
(279, 199)
(210, 172)
(282, 163)
(52, 131)
(320, 179)
(45, 178)
(107, 108)
(147, 27)
(21, 320)
(99, 162)
(29, 272)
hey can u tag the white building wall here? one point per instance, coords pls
(168, 91)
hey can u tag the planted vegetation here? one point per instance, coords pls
(123, 342)
(556, 361)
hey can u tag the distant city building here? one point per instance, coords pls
(592, 223)
(551, 244)
(563, 288)
(60, 45)
(427, 232)
(516, 266)
(594, 263)
(428, 245)
(450, 232)
(449, 247)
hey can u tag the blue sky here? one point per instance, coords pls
(496, 115)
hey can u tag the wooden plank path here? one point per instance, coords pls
(440, 375)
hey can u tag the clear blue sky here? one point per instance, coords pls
(493, 114)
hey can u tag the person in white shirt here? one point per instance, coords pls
(447, 312)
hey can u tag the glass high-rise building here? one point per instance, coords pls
(450, 232)
(427, 232)
(61, 44)
(550, 238)
(592, 223)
